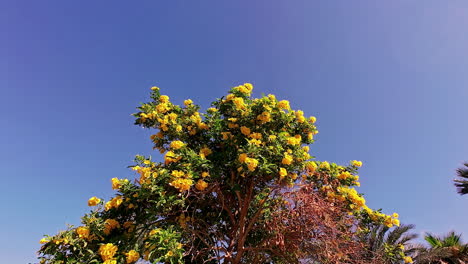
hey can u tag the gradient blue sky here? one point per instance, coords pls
(387, 81)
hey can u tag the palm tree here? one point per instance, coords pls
(448, 249)
(462, 183)
(382, 239)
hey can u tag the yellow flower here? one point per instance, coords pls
(325, 165)
(110, 261)
(212, 109)
(239, 102)
(43, 240)
(408, 259)
(201, 185)
(311, 167)
(296, 140)
(344, 175)
(83, 232)
(107, 251)
(395, 215)
(226, 135)
(271, 137)
(178, 128)
(284, 104)
(115, 183)
(312, 119)
(300, 116)
(242, 157)
(395, 222)
(356, 163)
(132, 256)
(245, 130)
(170, 157)
(109, 225)
(264, 117)
(182, 184)
(164, 98)
(93, 201)
(282, 173)
(205, 152)
(251, 163)
(177, 144)
(310, 136)
(177, 173)
(188, 102)
(205, 174)
(154, 88)
(154, 231)
(287, 160)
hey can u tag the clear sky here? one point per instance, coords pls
(387, 80)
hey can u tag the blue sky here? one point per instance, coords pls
(387, 81)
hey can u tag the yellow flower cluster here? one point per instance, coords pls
(296, 140)
(201, 185)
(117, 183)
(311, 166)
(107, 251)
(264, 117)
(114, 203)
(182, 184)
(205, 152)
(132, 256)
(357, 200)
(284, 104)
(171, 157)
(83, 232)
(287, 160)
(93, 201)
(109, 225)
(177, 144)
(356, 163)
(146, 173)
(282, 173)
(407, 259)
(245, 89)
(251, 162)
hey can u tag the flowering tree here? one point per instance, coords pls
(237, 185)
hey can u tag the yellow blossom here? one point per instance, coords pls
(226, 135)
(170, 157)
(177, 144)
(271, 137)
(43, 240)
(408, 259)
(312, 119)
(205, 152)
(83, 232)
(239, 102)
(284, 105)
(287, 160)
(311, 167)
(107, 251)
(188, 102)
(154, 88)
(177, 173)
(251, 163)
(182, 184)
(356, 163)
(132, 256)
(325, 165)
(93, 201)
(109, 225)
(282, 173)
(178, 128)
(201, 185)
(205, 174)
(245, 130)
(264, 117)
(164, 98)
(242, 157)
